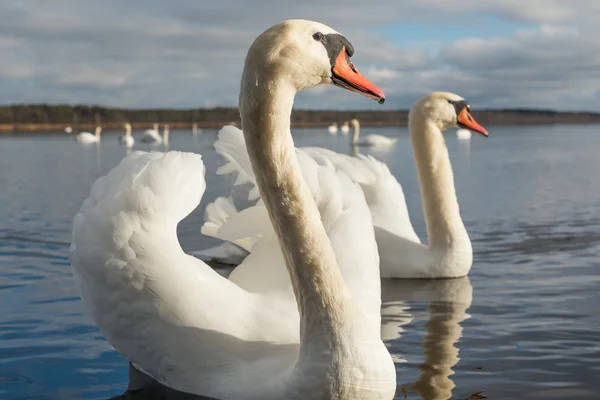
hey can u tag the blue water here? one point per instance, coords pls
(524, 325)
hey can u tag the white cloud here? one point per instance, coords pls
(183, 53)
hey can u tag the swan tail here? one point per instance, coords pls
(142, 196)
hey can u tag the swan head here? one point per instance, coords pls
(448, 110)
(305, 54)
(98, 130)
(127, 127)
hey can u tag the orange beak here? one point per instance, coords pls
(345, 74)
(466, 120)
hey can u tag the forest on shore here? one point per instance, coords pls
(48, 118)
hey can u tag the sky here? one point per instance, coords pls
(176, 53)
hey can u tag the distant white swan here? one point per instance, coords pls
(68, 129)
(333, 129)
(316, 336)
(165, 137)
(127, 139)
(401, 253)
(152, 136)
(371, 140)
(463, 134)
(345, 128)
(195, 129)
(87, 137)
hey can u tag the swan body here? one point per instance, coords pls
(333, 129)
(87, 137)
(372, 140)
(127, 140)
(345, 129)
(463, 134)
(402, 255)
(316, 335)
(68, 129)
(152, 136)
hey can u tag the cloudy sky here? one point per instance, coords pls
(189, 53)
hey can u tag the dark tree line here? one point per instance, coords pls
(27, 117)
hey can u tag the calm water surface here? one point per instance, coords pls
(524, 325)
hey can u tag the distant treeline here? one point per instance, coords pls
(21, 118)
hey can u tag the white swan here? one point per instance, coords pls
(165, 138)
(87, 137)
(68, 129)
(195, 129)
(333, 129)
(127, 139)
(182, 323)
(371, 140)
(463, 134)
(449, 253)
(345, 128)
(402, 255)
(152, 136)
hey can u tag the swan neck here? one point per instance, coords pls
(356, 132)
(320, 291)
(445, 228)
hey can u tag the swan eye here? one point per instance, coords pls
(318, 37)
(451, 102)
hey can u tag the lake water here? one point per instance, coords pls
(524, 325)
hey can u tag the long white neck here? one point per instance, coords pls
(356, 125)
(321, 294)
(446, 232)
(98, 131)
(166, 135)
(127, 130)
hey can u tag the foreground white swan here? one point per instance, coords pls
(317, 337)
(371, 140)
(87, 137)
(152, 135)
(127, 140)
(402, 255)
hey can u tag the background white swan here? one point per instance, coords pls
(463, 133)
(333, 129)
(165, 137)
(87, 137)
(345, 128)
(189, 328)
(152, 136)
(68, 129)
(195, 129)
(127, 139)
(402, 255)
(371, 140)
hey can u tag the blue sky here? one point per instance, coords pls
(181, 53)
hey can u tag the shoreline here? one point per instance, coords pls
(311, 119)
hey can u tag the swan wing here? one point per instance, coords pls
(344, 214)
(168, 312)
(382, 190)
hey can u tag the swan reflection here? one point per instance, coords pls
(449, 300)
